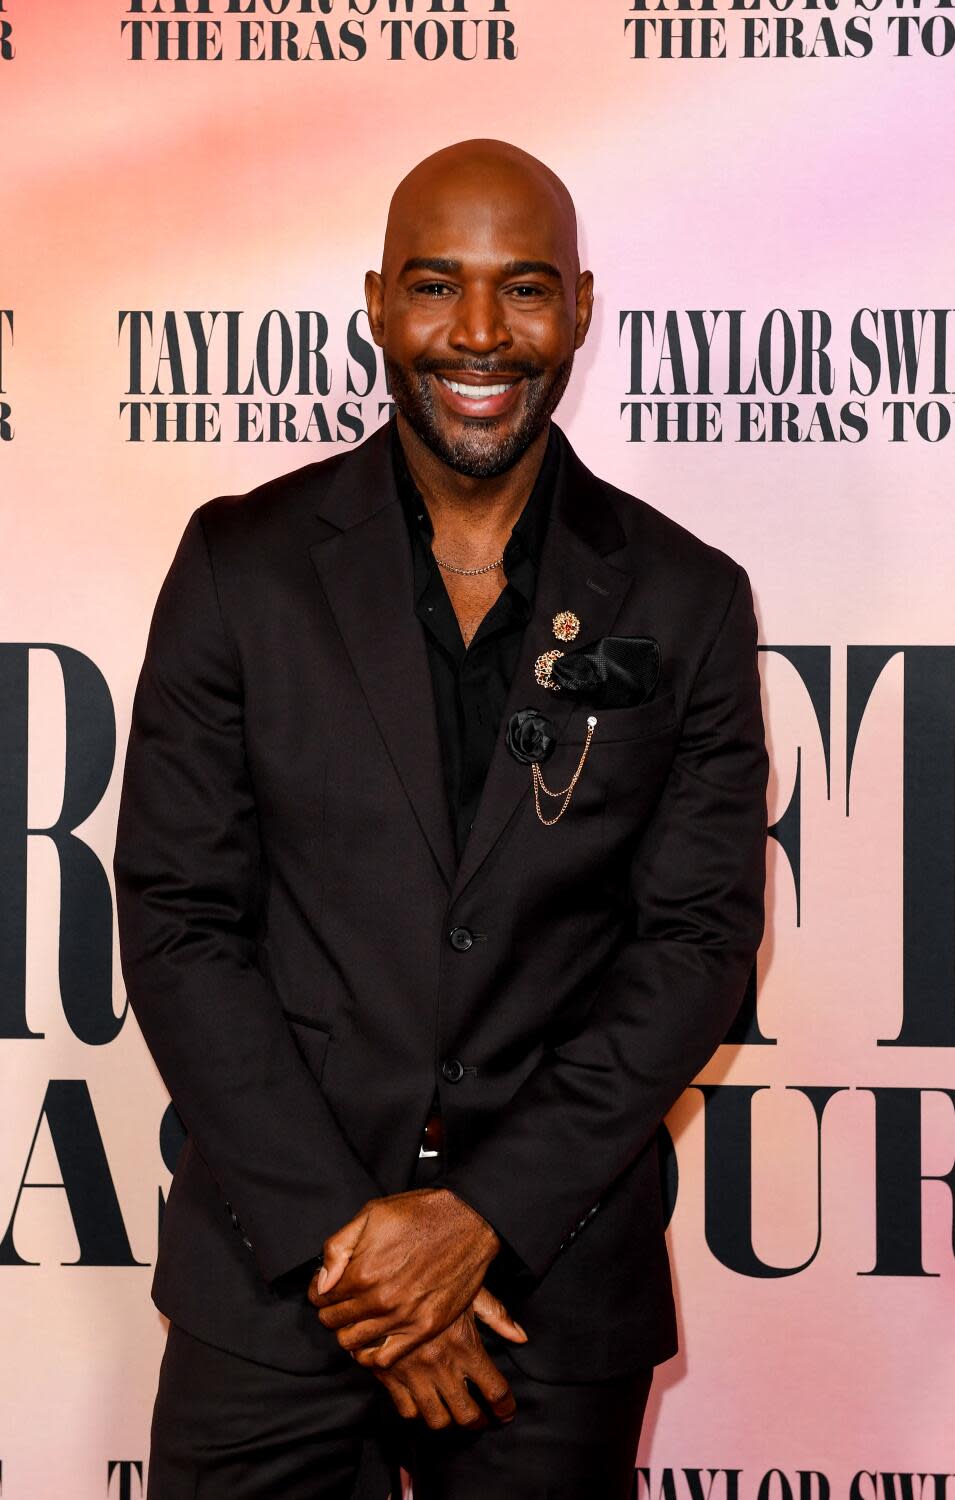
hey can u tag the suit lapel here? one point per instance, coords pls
(573, 574)
(365, 571)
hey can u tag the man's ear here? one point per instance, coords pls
(585, 306)
(375, 302)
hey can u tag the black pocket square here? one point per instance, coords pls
(618, 671)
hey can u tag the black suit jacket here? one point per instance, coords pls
(287, 887)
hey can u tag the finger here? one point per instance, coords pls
(427, 1400)
(492, 1311)
(338, 1251)
(364, 1357)
(461, 1404)
(347, 1287)
(493, 1387)
(351, 1309)
(401, 1397)
(358, 1336)
(383, 1355)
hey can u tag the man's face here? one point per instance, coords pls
(478, 313)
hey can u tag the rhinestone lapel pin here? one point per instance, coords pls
(542, 669)
(566, 625)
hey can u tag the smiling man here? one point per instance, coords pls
(439, 872)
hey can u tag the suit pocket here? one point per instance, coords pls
(312, 1041)
(636, 723)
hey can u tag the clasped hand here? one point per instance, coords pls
(402, 1288)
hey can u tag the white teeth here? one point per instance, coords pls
(476, 392)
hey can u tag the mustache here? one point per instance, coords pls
(429, 366)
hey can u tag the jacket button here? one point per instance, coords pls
(453, 1070)
(461, 939)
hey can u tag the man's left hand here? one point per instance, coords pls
(402, 1270)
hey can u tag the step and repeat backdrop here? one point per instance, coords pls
(190, 194)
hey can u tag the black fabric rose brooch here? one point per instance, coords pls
(531, 739)
(530, 736)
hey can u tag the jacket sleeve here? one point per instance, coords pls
(188, 877)
(672, 987)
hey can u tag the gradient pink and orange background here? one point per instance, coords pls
(718, 184)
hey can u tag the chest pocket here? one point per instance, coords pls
(637, 723)
(631, 754)
(627, 763)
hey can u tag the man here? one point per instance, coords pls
(425, 928)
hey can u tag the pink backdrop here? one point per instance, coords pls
(715, 183)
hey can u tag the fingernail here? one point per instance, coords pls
(322, 1278)
(522, 1331)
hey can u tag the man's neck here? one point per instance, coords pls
(470, 516)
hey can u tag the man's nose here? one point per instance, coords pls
(479, 325)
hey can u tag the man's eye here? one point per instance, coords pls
(432, 288)
(526, 292)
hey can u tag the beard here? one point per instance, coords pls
(486, 447)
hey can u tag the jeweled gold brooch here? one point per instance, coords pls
(542, 669)
(566, 625)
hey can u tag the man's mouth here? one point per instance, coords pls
(476, 392)
(480, 397)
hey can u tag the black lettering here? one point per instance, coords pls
(728, 1156)
(898, 1181)
(6, 317)
(314, 377)
(85, 1179)
(363, 352)
(86, 909)
(928, 829)
(126, 1468)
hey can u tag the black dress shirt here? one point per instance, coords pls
(471, 682)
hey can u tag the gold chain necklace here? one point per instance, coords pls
(450, 568)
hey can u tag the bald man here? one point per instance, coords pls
(426, 929)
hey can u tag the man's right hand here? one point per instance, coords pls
(429, 1381)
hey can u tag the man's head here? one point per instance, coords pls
(480, 302)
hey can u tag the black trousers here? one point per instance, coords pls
(227, 1428)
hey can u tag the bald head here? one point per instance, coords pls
(460, 188)
(480, 304)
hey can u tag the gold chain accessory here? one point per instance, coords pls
(567, 791)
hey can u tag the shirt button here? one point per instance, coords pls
(461, 939)
(453, 1070)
